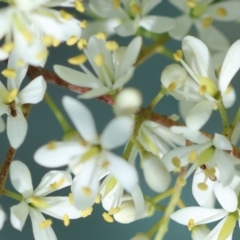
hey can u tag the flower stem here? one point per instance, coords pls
(58, 114)
(223, 114)
(162, 196)
(13, 195)
(159, 96)
(166, 52)
(234, 122)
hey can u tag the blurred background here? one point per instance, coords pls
(43, 127)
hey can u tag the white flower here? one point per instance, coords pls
(11, 100)
(201, 14)
(2, 218)
(203, 87)
(35, 202)
(112, 69)
(125, 19)
(95, 154)
(24, 22)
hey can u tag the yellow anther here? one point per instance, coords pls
(192, 157)
(28, 36)
(190, 224)
(57, 185)
(65, 15)
(38, 203)
(56, 42)
(66, 220)
(47, 40)
(20, 63)
(72, 40)
(82, 43)
(191, 3)
(99, 59)
(86, 191)
(210, 172)
(207, 21)
(172, 86)
(116, 4)
(181, 181)
(98, 199)
(202, 186)
(206, 85)
(12, 95)
(9, 73)
(70, 198)
(107, 217)
(114, 210)
(105, 164)
(42, 55)
(86, 212)
(77, 60)
(136, 9)
(222, 12)
(8, 47)
(101, 35)
(84, 24)
(178, 55)
(111, 45)
(45, 224)
(176, 162)
(51, 145)
(79, 6)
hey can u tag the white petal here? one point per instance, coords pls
(199, 115)
(60, 155)
(229, 97)
(76, 77)
(124, 172)
(40, 233)
(127, 28)
(221, 142)
(21, 178)
(53, 181)
(226, 197)
(81, 118)
(230, 66)
(34, 91)
(198, 214)
(19, 215)
(97, 92)
(2, 218)
(16, 129)
(117, 132)
(59, 206)
(157, 24)
(2, 125)
(138, 199)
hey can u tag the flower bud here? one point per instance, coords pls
(128, 101)
(126, 213)
(155, 173)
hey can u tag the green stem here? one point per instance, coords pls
(166, 52)
(162, 196)
(234, 122)
(61, 119)
(128, 150)
(13, 195)
(223, 114)
(159, 96)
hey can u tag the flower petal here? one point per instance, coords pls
(117, 132)
(221, 142)
(97, 92)
(127, 28)
(81, 118)
(21, 178)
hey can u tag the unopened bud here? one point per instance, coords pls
(126, 213)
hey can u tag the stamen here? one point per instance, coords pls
(98, 199)
(42, 55)
(191, 3)
(56, 42)
(84, 24)
(176, 163)
(66, 220)
(70, 198)
(190, 224)
(114, 210)
(111, 45)
(51, 145)
(178, 55)
(38, 203)
(72, 40)
(209, 172)
(192, 157)
(45, 224)
(202, 186)
(82, 43)
(77, 60)
(207, 21)
(79, 6)
(12, 95)
(86, 212)
(107, 217)
(65, 15)
(9, 73)
(136, 9)
(181, 181)
(8, 47)
(57, 185)
(222, 12)
(101, 35)
(99, 59)
(172, 86)
(105, 164)
(116, 4)
(86, 191)
(47, 40)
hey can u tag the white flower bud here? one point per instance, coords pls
(155, 173)
(128, 101)
(173, 77)
(126, 213)
(2, 218)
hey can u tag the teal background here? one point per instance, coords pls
(43, 127)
